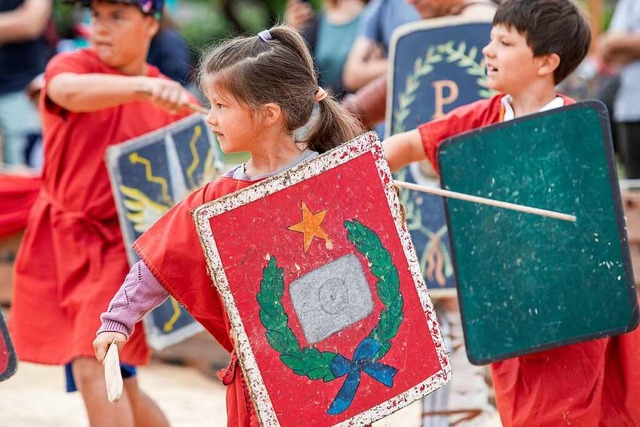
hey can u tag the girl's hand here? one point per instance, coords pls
(103, 341)
(167, 94)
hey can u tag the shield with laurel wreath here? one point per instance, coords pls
(437, 66)
(332, 320)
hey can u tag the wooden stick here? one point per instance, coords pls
(191, 106)
(112, 374)
(485, 201)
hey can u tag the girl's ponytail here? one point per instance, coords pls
(333, 126)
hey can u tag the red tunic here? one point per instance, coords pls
(593, 383)
(172, 251)
(72, 258)
(17, 194)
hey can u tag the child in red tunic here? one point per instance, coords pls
(534, 45)
(72, 253)
(261, 90)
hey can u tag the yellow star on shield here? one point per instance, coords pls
(310, 226)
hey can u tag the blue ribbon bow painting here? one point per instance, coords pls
(362, 361)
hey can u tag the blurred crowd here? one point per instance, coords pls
(349, 39)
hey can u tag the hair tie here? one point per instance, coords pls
(265, 35)
(320, 95)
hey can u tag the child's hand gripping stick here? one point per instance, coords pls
(112, 374)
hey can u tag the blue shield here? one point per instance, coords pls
(149, 175)
(437, 66)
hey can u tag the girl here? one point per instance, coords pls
(261, 90)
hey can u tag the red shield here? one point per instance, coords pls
(7, 354)
(332, 319)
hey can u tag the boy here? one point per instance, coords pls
(72, 256)
(534, 45)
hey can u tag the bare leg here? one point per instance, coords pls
(146, 412)
(89, 377)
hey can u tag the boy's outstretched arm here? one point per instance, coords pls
(93, 92)
(403, 148)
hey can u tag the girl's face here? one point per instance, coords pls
(233, 123)
(511, 66)
(120, 34)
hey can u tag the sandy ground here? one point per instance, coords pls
(35, 397)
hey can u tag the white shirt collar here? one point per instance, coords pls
(509, 114)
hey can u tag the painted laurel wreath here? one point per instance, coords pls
(327, 365)
(446, 52)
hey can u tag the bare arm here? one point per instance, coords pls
(92, 92)
(297, 13)
(26, 22)
(403, 148)
(618, 47)
(364, 63)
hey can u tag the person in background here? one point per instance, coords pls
(170, 53)
(72, 255)
(535, 45)
(367, 59)
(23, 54)
(369, 102)
(330, 34)
(619, 48)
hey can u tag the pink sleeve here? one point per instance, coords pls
(139, 294)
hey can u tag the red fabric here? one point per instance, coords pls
(172, 251)
(17, 195)
(593, 383)
(460, 120)
(72, 259)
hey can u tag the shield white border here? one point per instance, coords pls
(364, 144)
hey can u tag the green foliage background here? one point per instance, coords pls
(201, 22)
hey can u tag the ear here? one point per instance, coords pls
(271, 114)
(547, 64)
(153, 26)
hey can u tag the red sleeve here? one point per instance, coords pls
(78, 62)
(17, 195)
(459, 120)
(71, 62)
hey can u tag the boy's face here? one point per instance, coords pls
(120, 34)
(511, 66)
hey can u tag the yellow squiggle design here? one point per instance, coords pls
(168, 326)
(136, 158)
(197, 131)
